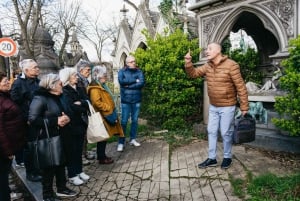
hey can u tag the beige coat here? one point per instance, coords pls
(224, 82)
(103, 103)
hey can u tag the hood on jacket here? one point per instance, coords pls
(94, 85)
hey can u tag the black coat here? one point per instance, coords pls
(77, 113)
(82, 85)
(22, 92)
(45, 106)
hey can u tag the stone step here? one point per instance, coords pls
(273, 140)
(34, 188)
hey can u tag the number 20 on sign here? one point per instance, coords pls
(8, 47)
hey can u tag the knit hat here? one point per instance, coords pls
(65, 74)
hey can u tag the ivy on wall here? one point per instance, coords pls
(171, 17)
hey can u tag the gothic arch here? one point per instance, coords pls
(142, 45)
(273, 28)
(122, 59)
(137, 42)
(123, 50)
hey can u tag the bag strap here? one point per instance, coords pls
(247, 116)
(91, 108)
(46, 127)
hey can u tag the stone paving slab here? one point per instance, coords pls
(151, 172)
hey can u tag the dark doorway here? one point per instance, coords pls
(265, 41)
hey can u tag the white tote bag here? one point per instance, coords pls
(96, 130)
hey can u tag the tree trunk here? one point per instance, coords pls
(63, 46)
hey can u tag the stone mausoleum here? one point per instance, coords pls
(270, 23)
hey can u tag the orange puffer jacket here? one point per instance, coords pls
(224, 82)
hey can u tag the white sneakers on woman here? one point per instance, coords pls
(84, 176)
(76, 181)
(79, 179)
(120, 147)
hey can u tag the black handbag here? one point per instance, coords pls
(244, 129)
(112, 118)
(47, 152)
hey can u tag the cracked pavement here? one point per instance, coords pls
(152, 172)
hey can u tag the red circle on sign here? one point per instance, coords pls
(8, 47)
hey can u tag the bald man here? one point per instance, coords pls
(224, 84)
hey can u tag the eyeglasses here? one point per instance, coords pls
(131, 61)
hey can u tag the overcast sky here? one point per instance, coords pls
(110, 11)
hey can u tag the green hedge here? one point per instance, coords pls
(289, 106)
(171, 100)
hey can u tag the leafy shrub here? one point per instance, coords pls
(289, 106)
(171, 100)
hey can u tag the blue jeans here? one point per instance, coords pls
(220, 118)
(133, 111)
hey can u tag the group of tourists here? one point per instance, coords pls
(57, 105)
(60, 102)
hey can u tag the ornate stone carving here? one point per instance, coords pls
(44, 54)
(284, 9)
(208, 25)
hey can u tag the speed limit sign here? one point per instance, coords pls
(8, 47)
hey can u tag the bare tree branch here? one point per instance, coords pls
(132, 4)
(97, 33)
(24, 25)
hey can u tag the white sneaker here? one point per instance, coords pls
(85, 162)
(84, 176)
(20, 165)
(134, 143)
(76, 181)
(15, 196)
(120, 147)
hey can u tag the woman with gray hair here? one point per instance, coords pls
(75, 133)
(47, 105)
(83, 73)
(102, 100)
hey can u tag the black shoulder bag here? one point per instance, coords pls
(47, 152)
